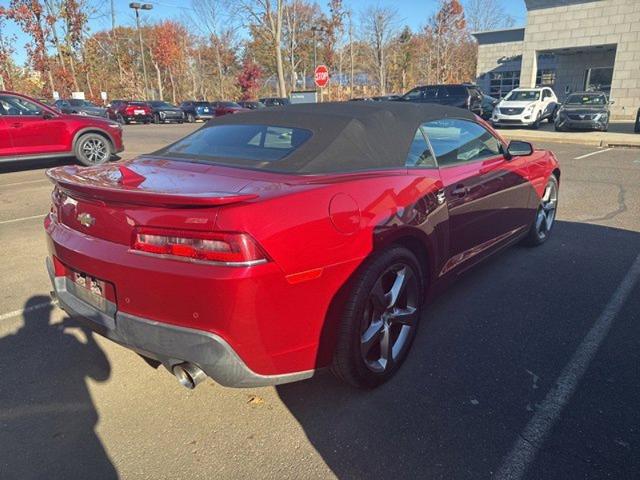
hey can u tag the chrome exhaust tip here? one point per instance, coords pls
(188, 375)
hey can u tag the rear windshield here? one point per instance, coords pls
(256, 146)
(452, 91)
(80, 103)
(201, 104)
(138, 104)
(523, 95)
(160, 104)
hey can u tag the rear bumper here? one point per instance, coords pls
(137, 118)
(169, 344)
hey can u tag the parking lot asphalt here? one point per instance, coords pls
(528, 363)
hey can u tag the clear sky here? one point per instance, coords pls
(414, 13)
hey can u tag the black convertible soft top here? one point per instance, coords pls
(346, 136)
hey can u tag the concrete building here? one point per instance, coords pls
(570, 45)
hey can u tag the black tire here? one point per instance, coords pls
(156, 118)
(92, 149)
(536, 124)
(361, 314)
(537, 235)
(636, 128)
(558, 128)
(190, 118)
(551, 118)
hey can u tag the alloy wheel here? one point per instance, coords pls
(95, 150)
(547, 210)
(389, 317)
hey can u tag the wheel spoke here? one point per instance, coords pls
(398, 287)
(547, 194)
(404, 316)
(379, 298)
(548, 220)
(540, 219)
(371, 336)
(386, 353)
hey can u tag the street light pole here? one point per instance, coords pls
(137, 7)
(315, 30)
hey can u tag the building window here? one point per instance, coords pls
(598, 80)
(545, 78)
(501, 83)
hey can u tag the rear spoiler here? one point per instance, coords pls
(77, 186)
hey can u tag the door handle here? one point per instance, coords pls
(16, 125)
(460, 191)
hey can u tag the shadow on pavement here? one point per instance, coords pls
(488, 351)
(47, 416)
(22, 165)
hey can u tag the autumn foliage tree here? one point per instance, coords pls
(451, 42)
(228, 49)
(167, 54)
(249, 79)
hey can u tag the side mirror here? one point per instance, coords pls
(47, 115)
(516, 148)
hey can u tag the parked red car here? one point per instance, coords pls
(31, 130)
(225, 108)
(268, 245)
(123, 111)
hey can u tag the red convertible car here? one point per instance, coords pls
(32, 130)
(268, 245)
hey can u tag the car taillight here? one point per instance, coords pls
(219, 247)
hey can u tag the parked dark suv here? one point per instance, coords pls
(274, 101)
(637, 126)
(584, 111)
(165, 112)
(457, 95)
(196, 110)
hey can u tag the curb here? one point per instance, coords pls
(595, 142)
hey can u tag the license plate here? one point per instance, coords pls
(89, 289)
(138, 112)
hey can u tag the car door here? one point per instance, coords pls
(487, 195)
(34, 130)
(547, 102)
(475, 101)
(6, 143)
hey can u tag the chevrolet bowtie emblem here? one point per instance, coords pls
(86, 219)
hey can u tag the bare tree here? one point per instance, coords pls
(379, 25)
(299, 16)
(266, 18)
(210, 16)
(485, 15)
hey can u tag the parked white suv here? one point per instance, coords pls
(525, 107)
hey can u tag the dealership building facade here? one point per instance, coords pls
(570, 45)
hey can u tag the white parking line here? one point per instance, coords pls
(530, 440)
(13, 220)
(23, 183)
(22, 311)
(592, 153)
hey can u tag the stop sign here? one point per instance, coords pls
(321, 76)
